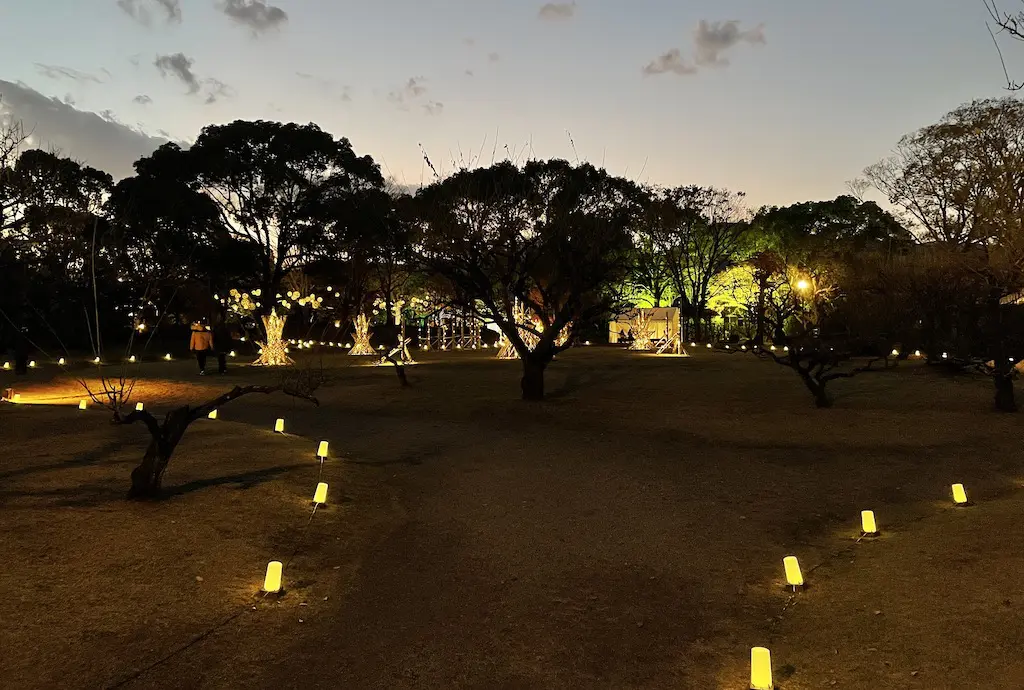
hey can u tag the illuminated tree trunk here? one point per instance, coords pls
(272, 352)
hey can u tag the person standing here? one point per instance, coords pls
(202, 344)
(222, 343)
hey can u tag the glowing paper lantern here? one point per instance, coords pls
(232, 354)
(917, 353)
(321, 451)
(279, 426)
(867, 523)
(7, 365)
(168, 356)
(60, 361)
(132, 359)
(761, 669)
(794, 578)
(959, 495)
(83, 404)
(272, 581)
(138, 407)
(32, 364)
(895, 352)
(320, 495)
(96, 360)
(212, 415)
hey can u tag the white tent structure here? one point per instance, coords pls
(661, 326)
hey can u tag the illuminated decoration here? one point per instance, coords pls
(272, 581)
(337, 324)
(232, 354)
(794, 578)
(917, 353)
(279, 426)
(362, 346)
(61, 361)
(959, 495)
(168, 356)
(761, 669)
(693, 344)
(212, 415)
(523, 322)
(786, 349)
(587, 342)
(96, 360)
(709, 346)
(895, 352)
(138, 407)
(132, 359)
(641, 332)
(802, 284)
(321, 451)
(320, 495)
(32, 364)
(945, 355)
(7, 365)
(83, 404)
(273, 352)
(868, 526)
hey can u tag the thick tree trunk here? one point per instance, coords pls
(148, 476)
(533, 378)
(1005, 399)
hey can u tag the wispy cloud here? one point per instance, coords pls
(556, 11)
(179, 66)
(142, 10)
(98, 139)
(256, 15)
(711, 43)
(142, 99)
(58, 72)
(414, 93)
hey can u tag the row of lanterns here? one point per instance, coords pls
(760, 657)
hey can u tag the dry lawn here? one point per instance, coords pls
(627, 533)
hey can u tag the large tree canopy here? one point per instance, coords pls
(551, 235)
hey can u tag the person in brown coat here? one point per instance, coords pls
(202, 344)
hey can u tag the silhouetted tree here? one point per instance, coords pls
(552, 235)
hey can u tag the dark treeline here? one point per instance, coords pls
(261, 216)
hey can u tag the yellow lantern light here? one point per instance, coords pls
(132, 359)
(794, 578)
(761, 669)
(7, 365)
(272, 581)
(709, 346)
(786, 348)
(279, 426)
(96, 360)
(917, 353)
(320, 495)
(212, 415)
(867, 523)
(321, 451)
(232, 354)
(83, 404)
(32, 364)
(60, 361)
(168, 357)
(895, 352)
(959, 495)
(138, 407)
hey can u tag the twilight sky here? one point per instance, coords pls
(786, 102)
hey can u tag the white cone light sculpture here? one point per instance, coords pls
(272, 581)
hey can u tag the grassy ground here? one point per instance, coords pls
(627, 533)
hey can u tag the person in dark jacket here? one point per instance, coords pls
(223, 343)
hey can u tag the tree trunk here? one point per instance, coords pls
(762, 286)
(147, 477)
(1005, 400)
(533, 378)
